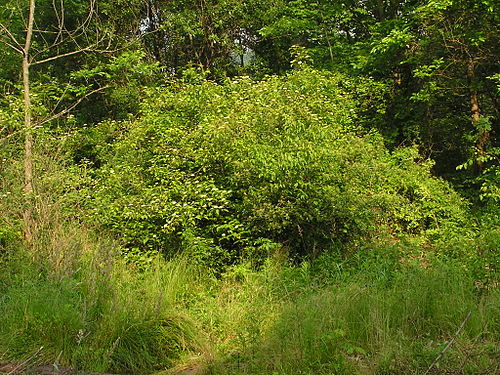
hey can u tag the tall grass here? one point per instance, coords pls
(85, 307)
(392, 324)
(90, 310)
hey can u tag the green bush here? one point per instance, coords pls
(229, 170)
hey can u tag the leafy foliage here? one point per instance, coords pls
(221, 168)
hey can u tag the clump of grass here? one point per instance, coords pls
(90, 310)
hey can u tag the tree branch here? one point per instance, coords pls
(70, 108)
(10, 135)
(12, 38)
(62, 35)
(52, 58)
(57, 115)
(450, 343)
(20, 51)
(60, 18)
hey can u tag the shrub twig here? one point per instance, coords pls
(450, 343)
(20, 367)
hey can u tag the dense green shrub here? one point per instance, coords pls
(229, 170)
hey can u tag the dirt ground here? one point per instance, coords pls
(18, 368)
(22, 368)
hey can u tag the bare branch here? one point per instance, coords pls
(73, 106)
(11, 37)
(56, 57)
(57, 115)
(13, 47)
(41, 34)
(60, 18)
(60, 99)
(4, 139)
(62, 35)
(450, 343)
(90, 15)
(35, 30)
(81, 29)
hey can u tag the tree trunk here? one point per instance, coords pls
(379, 10)
(484, 134)
(28, 131)
(474, 102)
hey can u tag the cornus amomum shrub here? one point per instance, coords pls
(238, 169)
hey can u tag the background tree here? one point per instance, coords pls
(457, 52)
(37, 40)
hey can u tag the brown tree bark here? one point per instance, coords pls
(28, 224)
(484, 134)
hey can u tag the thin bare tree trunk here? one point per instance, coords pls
(7, 38)
(474, 102)
(28, 129)
(327, 36)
